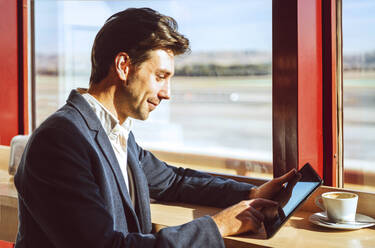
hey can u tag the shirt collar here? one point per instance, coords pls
(109, 122)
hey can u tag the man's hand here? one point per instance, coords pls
(271, 189)
(242, 217)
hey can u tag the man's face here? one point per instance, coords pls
(148, 85)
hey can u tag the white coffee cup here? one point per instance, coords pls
(339, 206)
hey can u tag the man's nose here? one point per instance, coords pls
(165, 91)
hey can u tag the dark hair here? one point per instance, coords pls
(134, 31)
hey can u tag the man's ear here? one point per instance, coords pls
(122, 65)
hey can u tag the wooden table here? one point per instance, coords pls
(297, 232)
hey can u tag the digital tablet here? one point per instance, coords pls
(292, 200)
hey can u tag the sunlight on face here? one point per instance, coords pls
(150, 84)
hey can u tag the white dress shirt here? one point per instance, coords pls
(118, 136)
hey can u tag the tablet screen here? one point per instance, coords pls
(289, 203)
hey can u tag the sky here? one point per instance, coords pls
(210, 25)
(358, 24)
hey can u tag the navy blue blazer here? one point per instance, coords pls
(72, 192)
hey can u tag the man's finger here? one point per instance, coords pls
(256, 213)
(261, 202)
(287, 176)
(254, 222)
(293, 182)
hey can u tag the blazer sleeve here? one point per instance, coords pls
(168, 183)
(57, 187)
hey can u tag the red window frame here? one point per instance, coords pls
(304, 82)
(13, 69)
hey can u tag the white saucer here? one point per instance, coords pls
(322, 220)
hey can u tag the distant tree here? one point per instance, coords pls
(213, 70)
(370, 58)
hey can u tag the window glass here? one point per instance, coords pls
(220, 112)
(359, 93)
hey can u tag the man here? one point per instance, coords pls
(84, 182)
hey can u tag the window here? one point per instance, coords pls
(221, 106)
(359, 93)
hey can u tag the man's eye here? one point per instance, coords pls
(160, 77)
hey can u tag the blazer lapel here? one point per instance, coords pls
(105, 146)
(103, 142)
(142, 193)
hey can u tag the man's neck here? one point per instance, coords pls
(105, 94)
